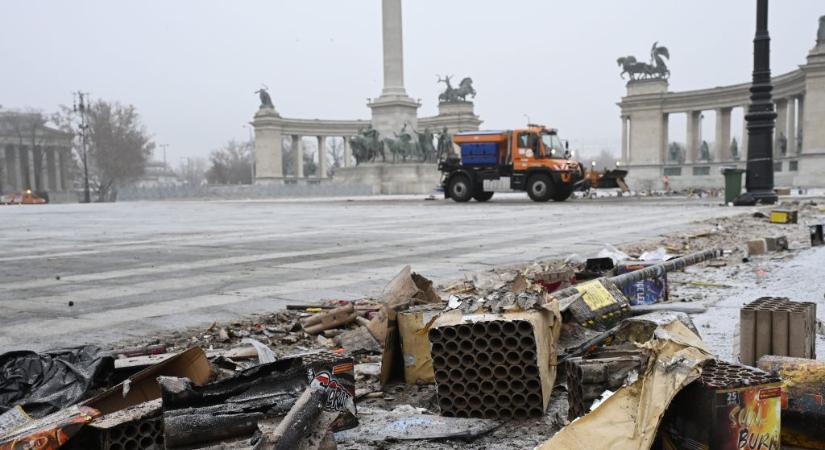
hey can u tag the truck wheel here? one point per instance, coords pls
(562, 194)
(482, 196)
(540, 188)
(460, 189)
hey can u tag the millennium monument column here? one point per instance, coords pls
(760, 118)
(394, 108)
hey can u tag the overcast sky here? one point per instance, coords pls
(191, 66)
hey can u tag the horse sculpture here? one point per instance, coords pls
(366, 146)
(656, 69)
(452, 95)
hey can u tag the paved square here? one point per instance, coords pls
(134, 269)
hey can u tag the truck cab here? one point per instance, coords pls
(533, 159)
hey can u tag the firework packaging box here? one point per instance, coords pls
(730, 407)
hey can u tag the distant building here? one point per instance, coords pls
(157, 174)
(35, 156)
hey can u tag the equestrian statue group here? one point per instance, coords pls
(407, 145)
(656, 69)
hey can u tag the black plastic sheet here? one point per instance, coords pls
(43, 383)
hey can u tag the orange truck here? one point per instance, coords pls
(532, 159)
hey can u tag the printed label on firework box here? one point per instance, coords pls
(748, 418)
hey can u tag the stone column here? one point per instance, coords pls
(722, 137)
(692, 137)
(624, 139)
(298, 154)
(743, 146)
(322, 156)
(781, 125)
(791, 133)
(17, 168)
(665, 137)
(58, 173)
(65, 162)
(800, 128)
(392, 30)
(347, 152)
(8, 171)
(30, 184)
(44, 169)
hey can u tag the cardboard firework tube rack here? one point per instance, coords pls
(482, 376)
(776, 326)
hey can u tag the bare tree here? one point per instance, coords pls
(118, 145)
(231, 164)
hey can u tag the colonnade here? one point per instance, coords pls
(297, 147)
(40, 168)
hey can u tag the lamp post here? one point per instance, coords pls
(81, 107)
(760, 119)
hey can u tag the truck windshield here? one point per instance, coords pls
(553, 146)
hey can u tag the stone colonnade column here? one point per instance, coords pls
(781, 125)
(8, 171)
(322, 156)
(665, 137)
(743, 146)
(298, 154)
(624, 139)
(722, 136)
(347, 151)
(59, 182)
(44, 169)
(692, 137)
(30, 162)
(799, 135)
(791, 128)
(17, 167)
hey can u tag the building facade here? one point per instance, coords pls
(799, 137)
(34, 156)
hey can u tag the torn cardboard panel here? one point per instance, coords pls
(630, 418)
(406, 289)
(143, 386)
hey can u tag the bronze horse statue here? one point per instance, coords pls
(458, 94)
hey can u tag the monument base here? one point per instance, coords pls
(402, 178)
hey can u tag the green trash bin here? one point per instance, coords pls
(733, 183)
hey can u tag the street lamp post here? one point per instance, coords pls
(81, 107)
(760, 119)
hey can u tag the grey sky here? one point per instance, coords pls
(190, 67)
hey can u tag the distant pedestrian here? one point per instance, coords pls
(666, 183)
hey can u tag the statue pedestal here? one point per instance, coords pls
(645, 87)
(455, 108)
(455, 116)
(391, 112)
(400, 178)
(268, 150)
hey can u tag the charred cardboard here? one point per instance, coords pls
(406, 289)
(143, 386)
(630, 417)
